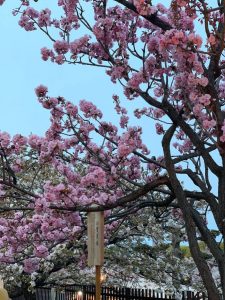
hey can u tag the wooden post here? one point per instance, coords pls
(96, 247)
(97, 282)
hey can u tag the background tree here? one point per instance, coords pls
(157, 54)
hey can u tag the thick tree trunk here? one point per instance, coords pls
(204, 271)
(212, 290)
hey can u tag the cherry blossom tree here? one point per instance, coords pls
(170, 57)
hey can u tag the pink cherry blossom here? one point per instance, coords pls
(212, 39)
(61, 47)
(159, 128)
(205, 99)
(41, 90)
(89, 109)
(41, 251)
(31, 265)
(208, 124)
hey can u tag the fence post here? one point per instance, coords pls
(84, 292)
(189, 295)
(103, 293)
(127, 293)
(53, 294)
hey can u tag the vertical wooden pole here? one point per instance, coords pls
(97, 282)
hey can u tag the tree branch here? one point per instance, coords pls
(154, 19)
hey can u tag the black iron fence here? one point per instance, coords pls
(87, 292)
